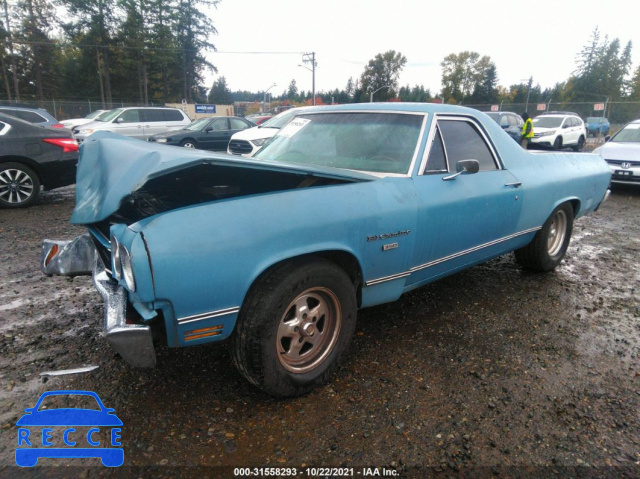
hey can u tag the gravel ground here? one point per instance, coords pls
(492, 371)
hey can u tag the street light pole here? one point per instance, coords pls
(264, 99)
(376, 91)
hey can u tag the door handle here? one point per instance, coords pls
(514, 184)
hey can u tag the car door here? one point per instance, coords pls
(572, 131)
(153, 121)
(465, 218)
(216, 135)
(128, 123)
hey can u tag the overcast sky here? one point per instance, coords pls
(541, 42)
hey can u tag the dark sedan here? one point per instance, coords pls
(205, 134)
(33, 156)
(510, 122)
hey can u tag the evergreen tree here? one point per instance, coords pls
(220, 93)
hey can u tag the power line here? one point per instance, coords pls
(128, 47)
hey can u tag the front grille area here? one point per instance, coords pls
(634, 164)
(240, 147)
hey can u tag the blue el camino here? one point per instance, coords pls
(348, 206)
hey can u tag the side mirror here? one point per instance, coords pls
(464, 167)
(120, 120)
(607, 138)
(468, 166)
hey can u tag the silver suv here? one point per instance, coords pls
(136, 122)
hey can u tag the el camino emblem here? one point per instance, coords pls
(386, 236)
(626, 165)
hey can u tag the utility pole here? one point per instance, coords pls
(311, 58)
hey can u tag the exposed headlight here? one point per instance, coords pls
(548, 133)
(162, 140)
(116, 268)
(260, 141)
(121, 264)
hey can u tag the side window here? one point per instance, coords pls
(437, 162)
(153, 115)
(172, 115)
(463, 141)
(130, 116)
(513, 121)
(237, 124)
(219, 125)
(504, 120)
(29, 116)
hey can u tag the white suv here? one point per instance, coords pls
(559, 130)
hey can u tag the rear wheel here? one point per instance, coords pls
(19, 185)
(550, 244)
(294, 327)
(580, 144)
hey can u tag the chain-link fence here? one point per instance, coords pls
(618, 112)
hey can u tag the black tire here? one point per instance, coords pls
(189, 143)
(580, 144)
(279, 345)
(550, 244)
(19, 185)
(558, 143)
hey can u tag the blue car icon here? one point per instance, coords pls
(30, 449)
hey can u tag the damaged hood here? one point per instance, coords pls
(112, 167)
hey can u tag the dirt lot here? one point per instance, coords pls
(493, 371)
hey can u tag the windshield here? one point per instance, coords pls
(594, 119)
(102, 115)
(110, 115)
(280, 120)
(372, 142)
(197, 125)
(94, 114)
(629, 134)
(547, 121)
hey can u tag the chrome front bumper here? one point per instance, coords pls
(78, 257)
(133, 342)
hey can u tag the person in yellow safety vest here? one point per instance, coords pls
(527, 131)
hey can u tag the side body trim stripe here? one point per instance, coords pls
(450, 257)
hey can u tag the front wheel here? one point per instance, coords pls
(558, 143)
(294, 327)
(19, 185)
(550, 244)
(189, 144)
